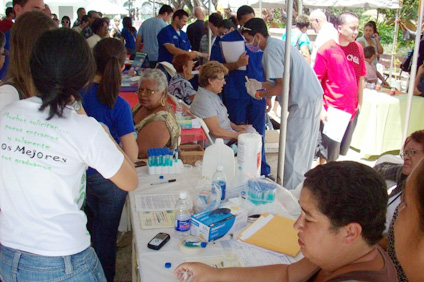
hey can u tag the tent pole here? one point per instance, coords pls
(260, 9)
(209, 31)
(285, 95)
(413, 71)
(393, 57)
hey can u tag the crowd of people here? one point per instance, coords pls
(61, 113)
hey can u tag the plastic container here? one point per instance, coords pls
(218, 154)
(220, 180)
(249, 154)
(182, 215)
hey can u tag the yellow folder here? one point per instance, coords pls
(272, 232)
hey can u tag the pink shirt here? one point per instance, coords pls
(339, 70)
(371, 72)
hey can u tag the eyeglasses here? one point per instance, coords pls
(409, 153)
(65, 22)
(243, 28)
(220, 78)
(147, 92)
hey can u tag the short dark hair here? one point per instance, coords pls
(80, 9)
(9, 11)
(348, 192)
(227, 23)
(215, 19)
(97, 24)
(84, 19)
(110, 55)
(91, 12)
(302, 21)
(179, 13)
(19, 2)
(341, 19)
(244, 10)
(255, 25)
(165, 9)
(369, 51)
(61, 64)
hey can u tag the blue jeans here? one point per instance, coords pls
(104, 205)
(21, 266)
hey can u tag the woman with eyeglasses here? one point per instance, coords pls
(412, 153)
(409, 226)
(66, 22)
(105, 200)
(154, 119)
(208, 106)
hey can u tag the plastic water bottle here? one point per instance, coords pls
(182, 215)
(179, 110)
(219, 179)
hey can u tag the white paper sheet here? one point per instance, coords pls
(156, 202)
(337, 122)
(232, 51)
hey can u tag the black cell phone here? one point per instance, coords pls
(158, 241)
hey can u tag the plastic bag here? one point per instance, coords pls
(207, 196)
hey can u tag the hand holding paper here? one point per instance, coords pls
(252, 85)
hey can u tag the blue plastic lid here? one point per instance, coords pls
(161, 177)
(168, 265)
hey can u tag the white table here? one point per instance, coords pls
(381, 122)
(149, 265)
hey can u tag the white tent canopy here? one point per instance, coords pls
(385, 4)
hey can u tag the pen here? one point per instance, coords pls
(163, 182)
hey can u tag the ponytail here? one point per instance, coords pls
(110, 55)
(110, 82)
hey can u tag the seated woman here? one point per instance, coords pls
(409, 227)
(179, 85)
(154, 119)
(413, 152)
(337, 235)
(42, 196)
(208, 106)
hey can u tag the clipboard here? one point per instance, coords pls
(272, 232)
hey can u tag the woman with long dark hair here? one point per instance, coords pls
(43, 234)
(105, 200)
(129, 35)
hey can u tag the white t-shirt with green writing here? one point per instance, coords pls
(42, 177)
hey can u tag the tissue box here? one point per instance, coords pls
(211, 225)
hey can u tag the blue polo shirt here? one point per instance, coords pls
(168, 35)
(235, 88)
(118, 119)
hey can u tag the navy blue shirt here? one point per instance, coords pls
(118, 119)
(235, 87)
(3, 70)
(168, 35)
